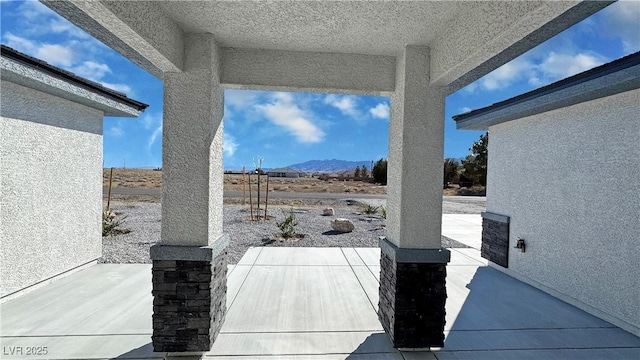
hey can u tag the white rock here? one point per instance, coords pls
(327, 212)
(342, 225)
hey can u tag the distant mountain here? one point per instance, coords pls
(329, 165)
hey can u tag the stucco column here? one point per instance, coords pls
(413, 264)
(189, 263)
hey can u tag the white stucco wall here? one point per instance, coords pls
(50, 186)
(570, 179)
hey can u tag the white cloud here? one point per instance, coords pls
(59, 25)
(91, 70)
(544, 69)
(37, 19)
(282, 97)
(345, 103)
(52, 53)
(152, 139)
(284, 113)
(152, 122)
(380, 111)
(123, 88)
(465, 109)
(33, 9)
(622, 20)
(229, 144)
(559, 66)
(20, 43)
(149, 121)
(55, 54)
(240, 98)
(71, 50)
(115, 131)
(471, 88)
(506, 74)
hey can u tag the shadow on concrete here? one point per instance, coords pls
(503, 313)
(143, 352)
(375, 346)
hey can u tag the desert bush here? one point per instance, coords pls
(370, 209)
(288, 225)
(111, 225)
(383, 212)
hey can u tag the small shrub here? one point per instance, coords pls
(111, 225)
(383, 212)
(370, 209)
(288, 225)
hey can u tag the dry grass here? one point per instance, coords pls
(133, 178)
(151, 179)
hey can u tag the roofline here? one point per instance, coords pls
(70, 77)
(615, 77)
(287, 168)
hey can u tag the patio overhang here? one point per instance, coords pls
(467, 40)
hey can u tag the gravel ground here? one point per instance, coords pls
(464, 204)
(143, 219)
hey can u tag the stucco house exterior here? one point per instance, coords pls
(416, 53)
(563, 180)
(50, 170)
(346, 174)
(284, 172)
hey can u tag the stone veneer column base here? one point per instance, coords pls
(189, 296)
(495, 238)
(413, 295)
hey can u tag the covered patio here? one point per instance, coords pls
(311, 303)
(322, 302)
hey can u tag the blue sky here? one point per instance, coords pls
(287, 128)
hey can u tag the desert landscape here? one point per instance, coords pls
(152, 179)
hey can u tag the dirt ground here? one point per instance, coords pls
(152, 179)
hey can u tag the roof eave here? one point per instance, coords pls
(609, 79)
(31, 72)
(32, 78)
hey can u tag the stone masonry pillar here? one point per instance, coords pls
(413, 264)
(190, 261)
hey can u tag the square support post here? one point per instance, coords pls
(190, 262)
(413, 264)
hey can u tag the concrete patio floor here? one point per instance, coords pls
(308, 303)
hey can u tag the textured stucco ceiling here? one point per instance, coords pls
(467, 39)
(361, 27)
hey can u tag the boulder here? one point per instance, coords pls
(327, 212)
(342, 225)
